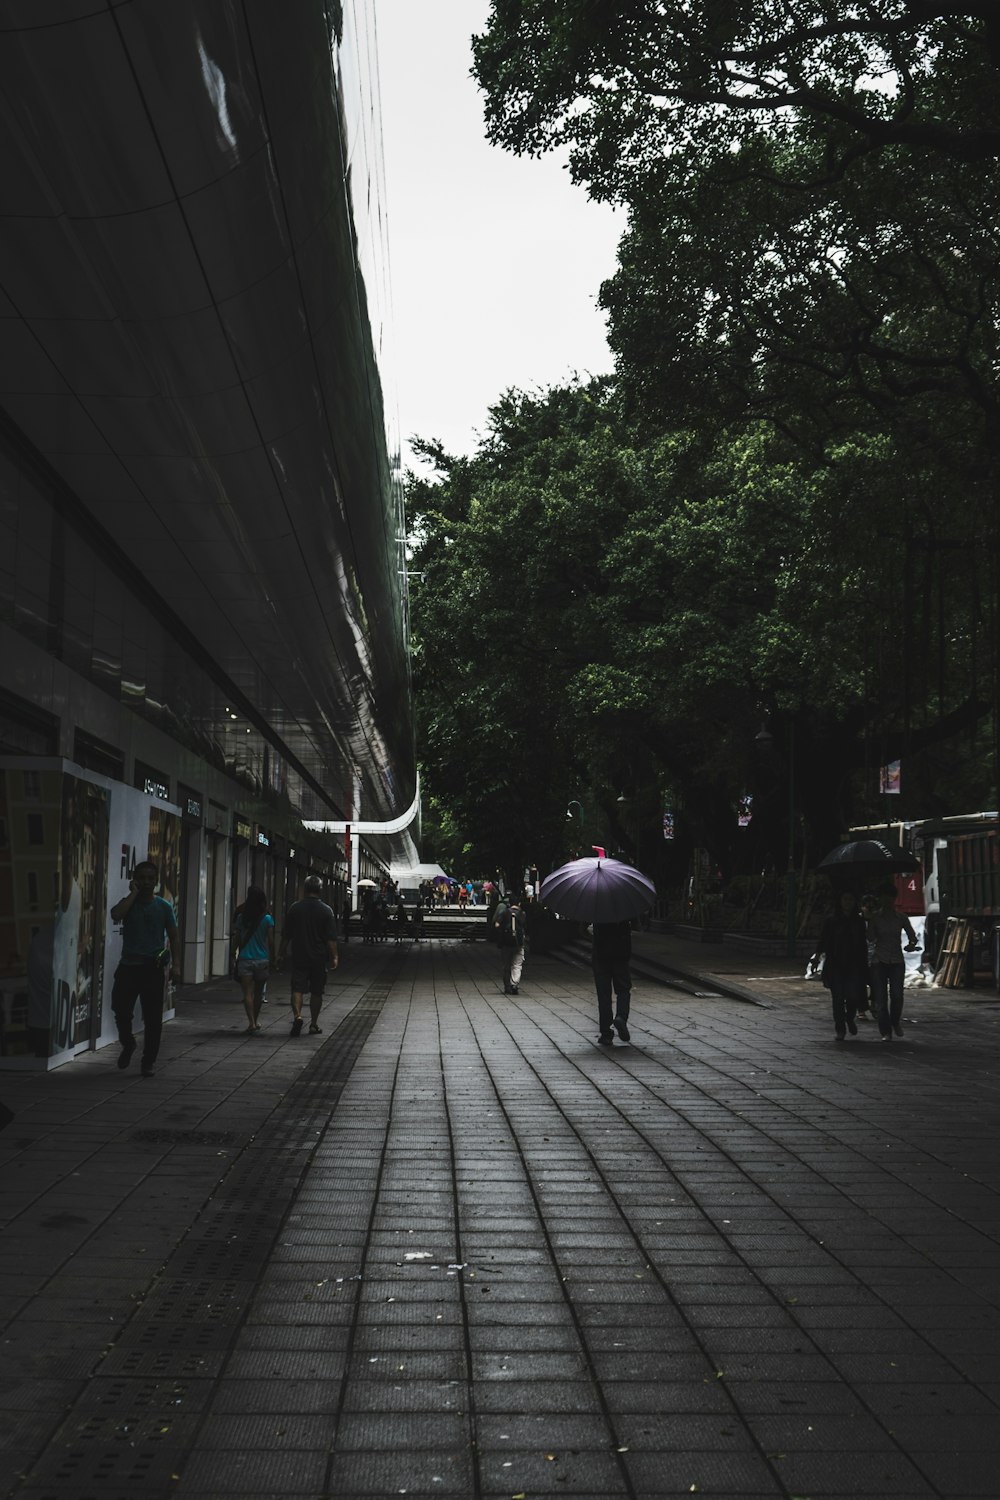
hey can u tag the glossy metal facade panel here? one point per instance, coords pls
(193, 338)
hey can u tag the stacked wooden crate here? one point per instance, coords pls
(955, 950)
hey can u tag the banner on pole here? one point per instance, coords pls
(889, 778)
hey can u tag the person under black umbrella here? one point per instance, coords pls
(844, 944)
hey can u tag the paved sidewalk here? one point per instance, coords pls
(452, 1247)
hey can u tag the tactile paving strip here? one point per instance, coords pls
(130, 1427)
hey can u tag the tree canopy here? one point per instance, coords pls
(782, 507)
(601, 617)
(624, 83)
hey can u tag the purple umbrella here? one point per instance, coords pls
(597, 890)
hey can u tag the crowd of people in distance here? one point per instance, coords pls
(442, 892)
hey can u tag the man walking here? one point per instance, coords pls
(311, 932)
(610, 954)
(509, 933)
(885, 930)
(149, 945)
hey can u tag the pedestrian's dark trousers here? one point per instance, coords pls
(887, 981)
(612, 974)
(845, 995)
(145, 983)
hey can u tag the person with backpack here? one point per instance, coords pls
(509, 932)
(253, 953)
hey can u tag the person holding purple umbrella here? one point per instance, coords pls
(607, 894)
(610, 954)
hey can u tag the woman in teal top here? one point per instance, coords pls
(253, 953)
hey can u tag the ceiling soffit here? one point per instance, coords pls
(186, 342)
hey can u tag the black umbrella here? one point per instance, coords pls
(869, 857)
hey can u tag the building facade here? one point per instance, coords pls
(203, 617)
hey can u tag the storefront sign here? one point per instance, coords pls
(151, 781)
(192, 804)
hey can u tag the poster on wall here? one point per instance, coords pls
(53, 884)
(164, 846)
(78, 938)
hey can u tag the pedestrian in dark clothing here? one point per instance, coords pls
(402, 921)
(149, 946)
(311, 931)
(492, 906)
(610, 954)
(509, 929)
(844, 944)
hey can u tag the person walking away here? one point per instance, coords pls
(885, 929)
(492, 912)
(463, 897)
(509, 928)
(149, 944)
(402, 921)
(844, 944)
(253, 953)
(610, 954)
(311, 933)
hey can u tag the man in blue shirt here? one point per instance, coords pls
(149, 944)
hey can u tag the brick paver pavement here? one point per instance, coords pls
(452, 1247)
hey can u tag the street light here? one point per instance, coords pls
(569, 810)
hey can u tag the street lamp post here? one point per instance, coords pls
(579, 813)
(791, 880)
(764, 742)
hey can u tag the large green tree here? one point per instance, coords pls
(601, 618)
(812, 204)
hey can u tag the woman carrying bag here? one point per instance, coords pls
(253, 953)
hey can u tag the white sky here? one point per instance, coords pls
(496, 260)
